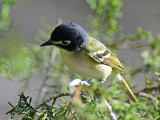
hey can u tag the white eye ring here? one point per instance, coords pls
(66, 42)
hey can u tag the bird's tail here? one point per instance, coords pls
(127, 87)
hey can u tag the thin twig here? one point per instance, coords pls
(112, 114)
(48, 67)
(130, 45)
(151, 88)
(146, 95)
(51, 98)
(47, 75)
(148, 88)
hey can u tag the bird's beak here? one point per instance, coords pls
(46, 43)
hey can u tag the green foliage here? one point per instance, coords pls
(47, 111)
(102, 24)
(15, 58)
(5, 13)
(23, 106)
(104, 17)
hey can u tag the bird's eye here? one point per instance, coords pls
(67, 42)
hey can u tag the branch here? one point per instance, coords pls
(48, 67)
(151, 88)
(148, 88)
(146, 95)
(129, 45)
(51, 98)
(47, 75)
(112, 114)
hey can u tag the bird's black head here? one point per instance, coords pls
(68, 36)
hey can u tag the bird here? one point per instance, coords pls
(84, 54)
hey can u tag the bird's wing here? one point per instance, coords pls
(100, 53)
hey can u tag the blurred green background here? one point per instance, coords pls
(25, 24)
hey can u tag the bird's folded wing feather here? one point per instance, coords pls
(100, 53)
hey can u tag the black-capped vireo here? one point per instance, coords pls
(84, 54)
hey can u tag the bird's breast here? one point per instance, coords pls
(84, 65)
